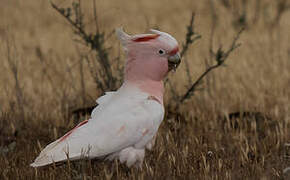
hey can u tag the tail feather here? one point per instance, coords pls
(56, 151)
(45, 156)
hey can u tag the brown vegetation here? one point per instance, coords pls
(235, 126)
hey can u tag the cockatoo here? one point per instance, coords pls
(126, 121)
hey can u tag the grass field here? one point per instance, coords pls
(236, 126)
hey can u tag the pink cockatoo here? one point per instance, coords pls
(126, 121)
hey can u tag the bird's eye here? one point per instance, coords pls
(161, 51)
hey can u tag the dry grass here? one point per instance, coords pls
(42, 72)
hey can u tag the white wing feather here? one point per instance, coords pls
(105, 98)
(121, 120)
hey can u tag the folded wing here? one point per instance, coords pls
(113, 127)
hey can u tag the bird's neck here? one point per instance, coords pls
(155, 89)
(146, 75)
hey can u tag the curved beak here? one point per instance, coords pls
(174, 61)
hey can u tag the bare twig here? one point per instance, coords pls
(220, 57)
(95, 40)
(190, 37)
(77, 23)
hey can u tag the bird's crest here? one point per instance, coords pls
(126, 38)
(146, 37)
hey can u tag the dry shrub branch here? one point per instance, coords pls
(96, 41)
(220, 58)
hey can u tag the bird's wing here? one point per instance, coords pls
(105, 98)
(124, 122)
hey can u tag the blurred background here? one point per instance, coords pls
(48, 71)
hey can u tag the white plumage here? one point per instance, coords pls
(121, 126)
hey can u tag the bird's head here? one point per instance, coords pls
(149, 56)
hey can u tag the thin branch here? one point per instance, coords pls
(75, 24)
(191, 36)
(95, 41)
(220, 57)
